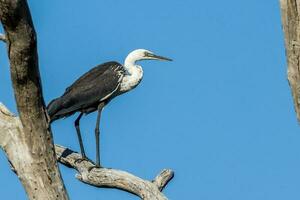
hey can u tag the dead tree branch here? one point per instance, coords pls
(27, 140)
(291, 25)
(103, 177)
(31, 151)
(99, 177)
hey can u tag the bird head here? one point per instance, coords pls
(143, 54)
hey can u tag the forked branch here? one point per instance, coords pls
(99, 177)
(27, 141)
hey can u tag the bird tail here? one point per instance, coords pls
(52, 108)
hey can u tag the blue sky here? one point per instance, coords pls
(220, 115)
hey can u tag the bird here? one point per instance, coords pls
(96, 88)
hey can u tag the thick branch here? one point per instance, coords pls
(103, 177)
(291, 26)
(31, 152)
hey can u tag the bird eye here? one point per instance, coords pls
(146, 54)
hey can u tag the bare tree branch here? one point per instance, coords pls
(103, 177)
(31, 152)
(27, 141)
(163, 178)
(99, 177)
(291, 25)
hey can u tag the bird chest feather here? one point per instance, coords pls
(132, 79)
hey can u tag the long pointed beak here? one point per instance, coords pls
(156, 57)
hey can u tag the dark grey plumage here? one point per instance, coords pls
(96, 88)
(100, 84)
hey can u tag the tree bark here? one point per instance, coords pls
(27, 140)
(113, 178)
(98, 177)
(291, 26)
(31, 152)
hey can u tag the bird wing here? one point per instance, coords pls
(92, 74)
(94, 86)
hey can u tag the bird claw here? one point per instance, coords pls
(79, 160)
(94, 166)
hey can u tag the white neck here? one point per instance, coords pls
(134, 74)
(130, 61)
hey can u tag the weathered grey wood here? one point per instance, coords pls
(162, 179)
(30, 151)
(27, 141)
(113, 178)
(11, 127)
(291, 26)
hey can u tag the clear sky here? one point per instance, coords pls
(220, 115)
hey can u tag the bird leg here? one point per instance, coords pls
(97, 134)
(79, 136)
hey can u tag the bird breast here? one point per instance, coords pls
(132, 79)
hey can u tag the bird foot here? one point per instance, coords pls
(94, 166)
(79, 160)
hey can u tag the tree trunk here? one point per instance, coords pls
(291, 26)
(31, 153)
(27, 140)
